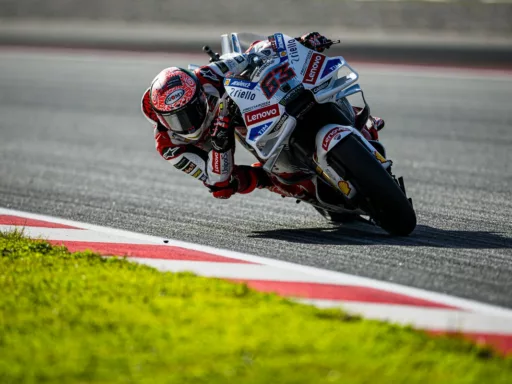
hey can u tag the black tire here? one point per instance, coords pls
(383, 197)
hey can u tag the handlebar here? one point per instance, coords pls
(213, 56)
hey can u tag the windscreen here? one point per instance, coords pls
(247, 38)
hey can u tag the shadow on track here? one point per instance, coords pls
(423, 236)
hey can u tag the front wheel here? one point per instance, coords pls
(380, 195)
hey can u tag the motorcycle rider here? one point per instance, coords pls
(194, 130)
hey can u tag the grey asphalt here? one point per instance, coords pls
(74, 144)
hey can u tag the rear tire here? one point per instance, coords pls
(380, 194)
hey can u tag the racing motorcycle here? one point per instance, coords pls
(296, 119)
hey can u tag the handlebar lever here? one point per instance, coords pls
(213, 56)
(329, 43)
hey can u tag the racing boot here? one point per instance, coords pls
(244, 179)
(367, 124)
(248, 178)
(256, 177)
(373, 126)
(370, 128)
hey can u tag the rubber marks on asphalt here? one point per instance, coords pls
(370, 298)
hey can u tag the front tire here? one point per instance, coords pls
(381, 195)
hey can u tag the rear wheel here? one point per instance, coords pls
(380, 194)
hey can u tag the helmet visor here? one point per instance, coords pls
(186, 120)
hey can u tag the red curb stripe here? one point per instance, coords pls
(501, 342)
(338, 292)
(24, 222)
(146, 251)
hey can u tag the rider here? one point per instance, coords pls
(194, 129)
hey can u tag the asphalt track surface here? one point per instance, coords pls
(74, 144)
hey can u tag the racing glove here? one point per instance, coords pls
(222, 132)
(315, 41)
(244, 180)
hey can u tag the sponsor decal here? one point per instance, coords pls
(258, 131)
(238, 83)
(380, 157)
(330, 135)
(331, 66)
(262, 68)
(188, 80)
(239, 59)
(203, 178)
(279, 125)
(321, 86)
(182, 163)
(292, 95)
(262, 114)
(190, 167)
(242, 94)
(275, 78)
(171, 152)
(216, 163)
(344, 187)
(313, 69)
(222, 67)
(225, 163)
(306, 62)
(280, 47)
(279, 38)
(197, 173)
(178, 91)
(293, 51)
(174, 97)
(253, 107)
(208, 73)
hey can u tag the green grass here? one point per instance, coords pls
(78, 318)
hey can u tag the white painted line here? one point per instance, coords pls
(424, 318)
(339, 277)
(234, 270)
(73, 235)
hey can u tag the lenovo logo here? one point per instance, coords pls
(313, 70)
(216, 162)
(262, 114)
(331, 135)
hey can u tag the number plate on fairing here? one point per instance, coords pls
(281, 78)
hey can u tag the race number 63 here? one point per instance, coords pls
(274, 79)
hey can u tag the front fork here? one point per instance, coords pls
(326, 139)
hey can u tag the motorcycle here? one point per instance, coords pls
(298, 122)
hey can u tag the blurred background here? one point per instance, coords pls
(451, 31)
(74, 144)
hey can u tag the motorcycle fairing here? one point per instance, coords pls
(291, 69)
